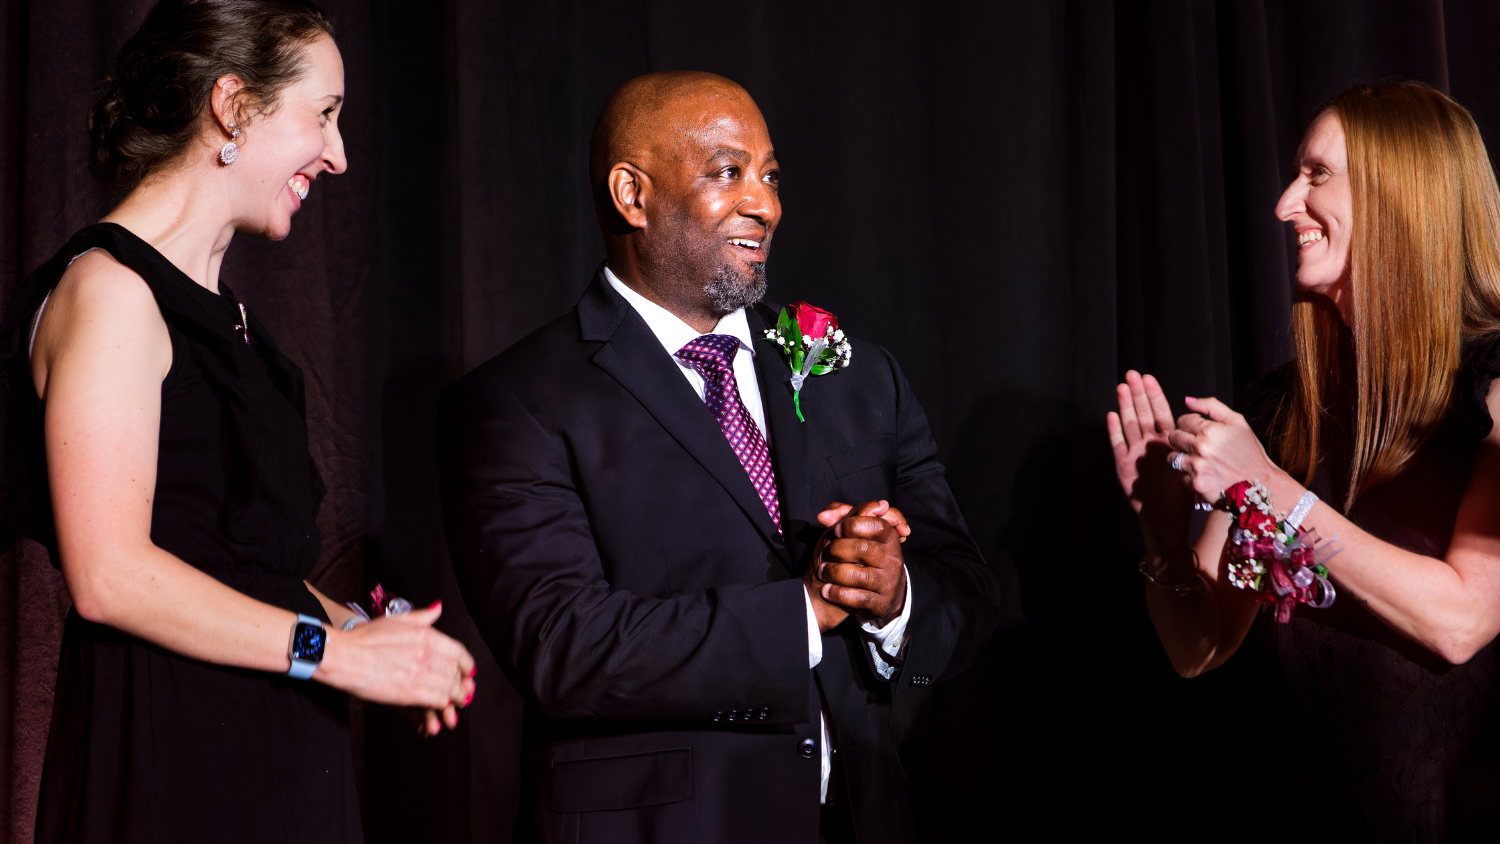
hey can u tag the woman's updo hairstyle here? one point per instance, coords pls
(151, 110)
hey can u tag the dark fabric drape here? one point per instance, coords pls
(1020, 200)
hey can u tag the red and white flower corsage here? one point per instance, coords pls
(1281, 563)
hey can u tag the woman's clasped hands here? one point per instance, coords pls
(402, 660)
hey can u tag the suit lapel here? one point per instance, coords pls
(789, 438)
(634, 357)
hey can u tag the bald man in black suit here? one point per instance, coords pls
(711, 649)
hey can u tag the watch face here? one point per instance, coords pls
(308, 641)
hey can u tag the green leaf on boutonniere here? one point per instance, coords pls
(798, 350)
(821, 369)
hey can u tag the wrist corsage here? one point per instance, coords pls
(812, 344)
(385, 605)
(1274, 556)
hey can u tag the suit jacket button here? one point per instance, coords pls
(718, 716)
(808, 748)
(764, 714)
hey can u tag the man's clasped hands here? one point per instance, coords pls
(858, 568)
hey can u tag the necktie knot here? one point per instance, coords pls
(711, 350)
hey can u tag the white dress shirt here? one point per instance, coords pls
(886, 643)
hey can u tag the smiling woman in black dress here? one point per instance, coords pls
(154, 440)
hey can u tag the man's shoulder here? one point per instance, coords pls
(540, 360)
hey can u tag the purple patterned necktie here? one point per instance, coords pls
(712, 355)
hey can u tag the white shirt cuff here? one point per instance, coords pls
(814, 635)
(892, 637)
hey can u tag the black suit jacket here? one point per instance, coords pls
(619, 564)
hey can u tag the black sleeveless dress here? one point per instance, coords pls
(146, 745)
(1368, 727)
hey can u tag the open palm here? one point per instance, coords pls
(1162, 498)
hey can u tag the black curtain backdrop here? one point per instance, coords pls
(1020, 200)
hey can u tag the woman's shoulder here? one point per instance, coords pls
(1477, 374)
(1481, 353)
(99, 268)
(96, 287)
(103, 311)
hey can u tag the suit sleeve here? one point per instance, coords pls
(956, 596)
(532, 578)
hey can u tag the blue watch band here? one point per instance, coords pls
(302, 668)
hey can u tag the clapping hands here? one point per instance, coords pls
(858, 566)
(1210, 449)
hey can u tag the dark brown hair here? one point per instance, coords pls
(151, 109)
(1424, 265)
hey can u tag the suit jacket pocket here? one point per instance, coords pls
(607, 783)
(855, 460)
(862, 473)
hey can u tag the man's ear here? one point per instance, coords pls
(629, 190)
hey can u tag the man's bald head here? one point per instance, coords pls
(686, 186)
(650, 114)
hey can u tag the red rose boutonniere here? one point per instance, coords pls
(812, 343)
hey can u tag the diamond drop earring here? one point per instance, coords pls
(230, 151)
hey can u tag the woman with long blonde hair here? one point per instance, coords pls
(1378, 437)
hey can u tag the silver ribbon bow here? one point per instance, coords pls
(813, 354)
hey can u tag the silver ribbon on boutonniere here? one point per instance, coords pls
(812, 343)
(807, 364)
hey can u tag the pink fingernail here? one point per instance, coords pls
(469, 699)
(473, 671)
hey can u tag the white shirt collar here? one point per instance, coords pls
(670, 329)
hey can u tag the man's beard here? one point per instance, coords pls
(732, 289)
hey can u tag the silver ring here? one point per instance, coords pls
(1176, 461)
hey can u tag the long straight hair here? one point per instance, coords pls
(1424, 272)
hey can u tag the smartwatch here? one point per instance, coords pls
(308, 641)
